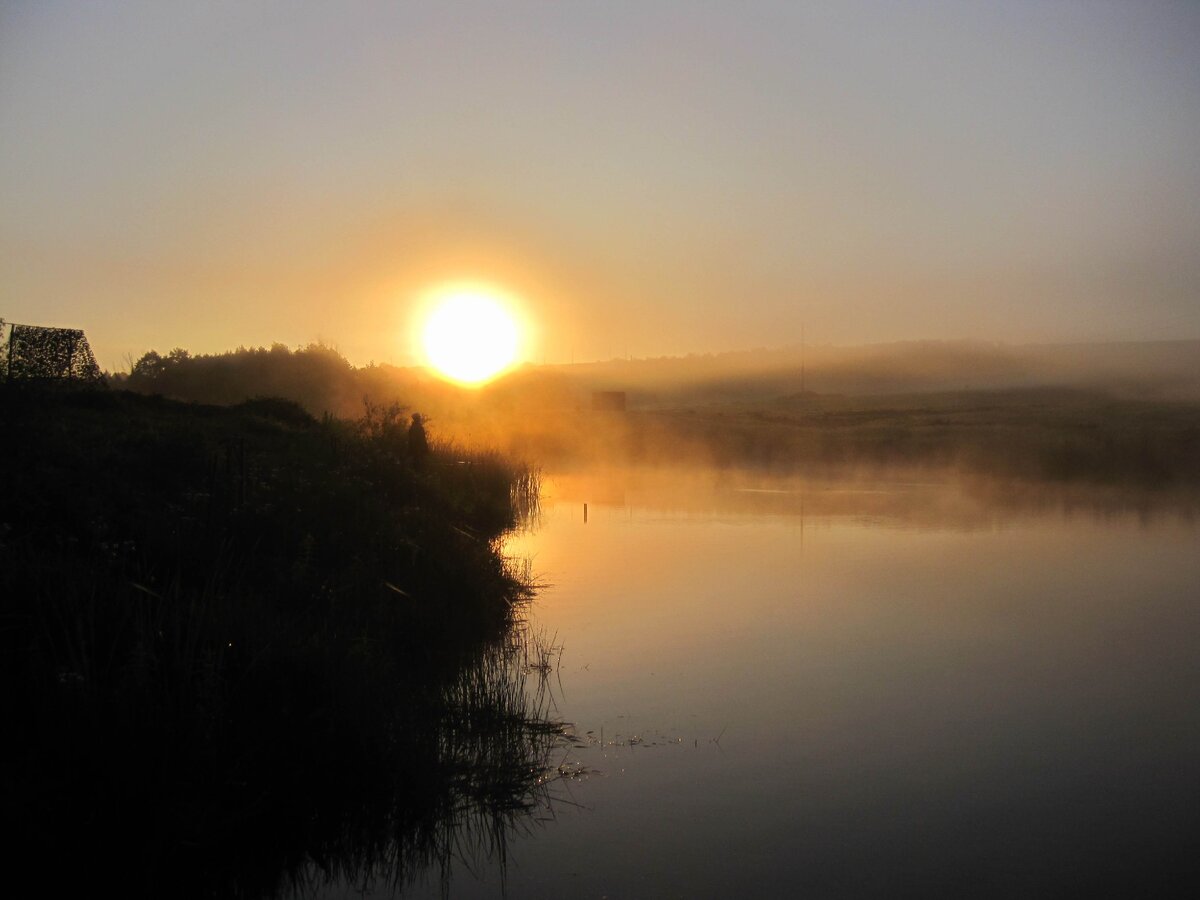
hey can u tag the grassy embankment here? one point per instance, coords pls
(239, 643)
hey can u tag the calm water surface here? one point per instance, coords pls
(831, 690)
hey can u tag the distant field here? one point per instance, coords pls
(1043, 434)
(1055, 435)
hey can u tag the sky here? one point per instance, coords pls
(645, 178)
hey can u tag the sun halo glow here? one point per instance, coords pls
(470, 337)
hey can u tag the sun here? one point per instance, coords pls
(470, 336)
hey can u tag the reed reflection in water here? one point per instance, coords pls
(486, 739)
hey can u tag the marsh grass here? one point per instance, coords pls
(244, 650)
(494, 489)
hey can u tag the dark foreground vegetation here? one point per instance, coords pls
(243, 648)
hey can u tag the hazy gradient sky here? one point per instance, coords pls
(651, 178)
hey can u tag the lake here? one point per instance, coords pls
(838, 689)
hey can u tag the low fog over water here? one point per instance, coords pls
(859, 687)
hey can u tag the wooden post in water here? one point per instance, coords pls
(585, 514)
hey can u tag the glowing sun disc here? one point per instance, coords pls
(470, 337)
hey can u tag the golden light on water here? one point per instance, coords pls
(470, 334)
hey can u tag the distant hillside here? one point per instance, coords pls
(1149, 370)
(543, 413)
(1109, 413)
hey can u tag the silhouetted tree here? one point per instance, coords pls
(149, 367)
